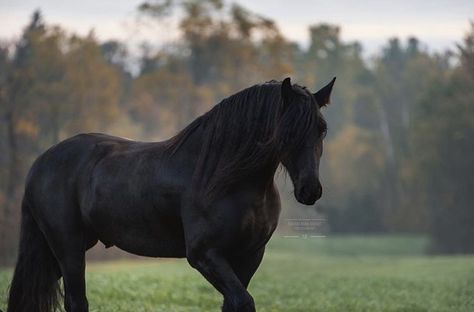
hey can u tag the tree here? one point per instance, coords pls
(16, 82)
(93, 88)
(444, 153)
(54, 86)
(403, 73)
(328, 56)
(355, 164)
(223, 48)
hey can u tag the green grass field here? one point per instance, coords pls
(315, 274)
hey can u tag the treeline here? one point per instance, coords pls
(398, 155)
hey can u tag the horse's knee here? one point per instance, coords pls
(199, 257)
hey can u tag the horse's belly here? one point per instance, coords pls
(150, 235)
(168, 247)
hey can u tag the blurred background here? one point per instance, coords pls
(398, 162)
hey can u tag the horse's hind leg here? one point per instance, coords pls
(73, 269)
(68, 242)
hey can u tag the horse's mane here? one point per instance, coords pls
(246, 130)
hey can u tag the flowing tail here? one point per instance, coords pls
(35, 286)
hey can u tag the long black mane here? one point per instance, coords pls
(250, 128)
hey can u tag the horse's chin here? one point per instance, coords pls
(306, 200)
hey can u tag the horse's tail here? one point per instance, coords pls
(35, 286)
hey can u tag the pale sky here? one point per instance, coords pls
(437, 23)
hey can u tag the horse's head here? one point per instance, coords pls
(302, 131)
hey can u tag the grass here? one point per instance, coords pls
(315, 274)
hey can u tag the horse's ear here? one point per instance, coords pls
(286, 90)
(323, 96)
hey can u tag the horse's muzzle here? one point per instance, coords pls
(308, 194)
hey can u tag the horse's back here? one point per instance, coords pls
(69, 154)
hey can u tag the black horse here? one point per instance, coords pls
(206, 194)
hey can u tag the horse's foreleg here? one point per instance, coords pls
(217, 270)
(246, 265)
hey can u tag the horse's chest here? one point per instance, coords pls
(259, 222)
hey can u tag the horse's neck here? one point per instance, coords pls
(267, 173)
(193, 144)
(191, 148)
